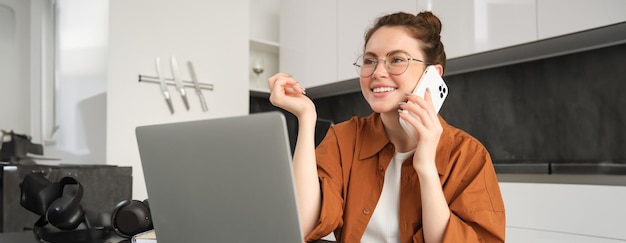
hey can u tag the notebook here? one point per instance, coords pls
(220, 180)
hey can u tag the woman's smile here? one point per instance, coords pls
(383, 91)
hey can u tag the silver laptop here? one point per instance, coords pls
(221, 180)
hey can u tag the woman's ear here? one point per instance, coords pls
(439, 69)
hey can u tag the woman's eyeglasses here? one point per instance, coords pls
(396, 63)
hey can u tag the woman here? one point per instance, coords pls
(368, 180)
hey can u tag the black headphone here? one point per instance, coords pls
(59, 206)
(131, 217)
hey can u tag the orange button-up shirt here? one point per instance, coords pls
(352, 160)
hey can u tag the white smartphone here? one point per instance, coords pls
(432, 81)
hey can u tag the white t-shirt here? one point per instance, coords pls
(384, 224)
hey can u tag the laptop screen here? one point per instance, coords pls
(220, 180)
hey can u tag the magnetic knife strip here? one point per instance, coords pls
(179, 83)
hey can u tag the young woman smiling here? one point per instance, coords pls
(368, 180)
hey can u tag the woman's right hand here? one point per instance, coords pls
(286, 93)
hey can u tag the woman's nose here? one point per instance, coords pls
(381, 69)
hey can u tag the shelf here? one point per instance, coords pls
(264, 46)
(259, 93)
(267, 51)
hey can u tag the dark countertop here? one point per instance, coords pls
(15, 237)
(29, 237)
(584, 179)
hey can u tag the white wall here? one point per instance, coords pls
(79, 103)
(15, 65)
(546, 212)
(211, 34)
(26, 66)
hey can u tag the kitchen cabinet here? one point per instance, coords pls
(319, 40)
(308, 41)
(520, 31)
(560, 17)
(471, 27)
(354, 18)
(564, 208)
(264, 45)
(263, 58)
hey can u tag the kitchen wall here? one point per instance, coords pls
(212, 35)
(565, 109)
(99, 100)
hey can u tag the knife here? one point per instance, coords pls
(196, 86)
(179, 82)
(164, 90)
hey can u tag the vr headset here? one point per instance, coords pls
(63, 220)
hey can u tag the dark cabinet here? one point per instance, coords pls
(104, 187)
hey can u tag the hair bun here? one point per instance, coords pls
(433, 22)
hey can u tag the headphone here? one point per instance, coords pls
(131, 217)
(58, 204)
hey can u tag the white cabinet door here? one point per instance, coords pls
(559, 17)
(264, 20)
(355, 18)
(562, 212)
(308, 41)
(471, 27)
(264, 46)
(319, 40)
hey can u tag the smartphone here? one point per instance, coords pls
(432, 81)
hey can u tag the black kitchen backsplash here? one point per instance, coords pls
(565, 110)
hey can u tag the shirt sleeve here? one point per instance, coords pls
(330, 176)
(471, 188)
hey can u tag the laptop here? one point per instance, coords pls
(221, 180)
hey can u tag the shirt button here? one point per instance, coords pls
(406, 178)
(380, 168)
(404, 225)
(366, 211)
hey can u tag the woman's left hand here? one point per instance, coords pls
(428, 130)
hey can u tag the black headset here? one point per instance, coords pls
(58, 204)
(131, 217)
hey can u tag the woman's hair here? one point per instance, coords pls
(425, 27)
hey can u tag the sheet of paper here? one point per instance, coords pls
(145, 237)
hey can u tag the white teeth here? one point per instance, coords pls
(383, 89)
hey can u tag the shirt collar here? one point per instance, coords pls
(373, 139)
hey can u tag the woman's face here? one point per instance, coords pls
(383, 90)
